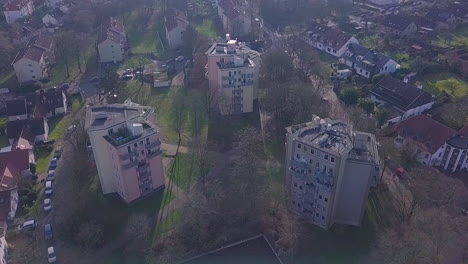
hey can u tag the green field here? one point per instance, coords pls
(207, 29)
(142, 39)
(448, 82)
(184, 171)
(459, 37)
(42, 161)
(4, 141)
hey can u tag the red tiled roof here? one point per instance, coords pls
(9, 175)
(116, 25)
(425, 132)
(33, 53)
(464, 131)
(24, 141)
(231, 13)
(105, 33)
(14, 5)
(175, 18)
(17, 158)
(329, 36)
(44, 41)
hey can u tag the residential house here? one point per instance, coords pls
(329, 40)
(17, 9)
(425, 26)
(37, 127)
(53, 18)
(433, 143)
(126, 147)
(330, 169)
(19, 160)
(399, 25)
(46, 42)
(234, 18)
(26, 32)
(9, 186)
(43, 103)
(367, 62)
(175, 24)
(31, 65)
(112, 41)
(460, 11)
(232, 72)
(400, 98)
(443, 17)
(385, 2)
(54, 3)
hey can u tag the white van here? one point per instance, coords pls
(31, 224)
(48, 188)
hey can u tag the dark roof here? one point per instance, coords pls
(56, 13)
(34, 125)
(458, 141)
(400, 94)
(116, 25)
(425, 132)
(9, 172)
(5, 205)
(14, 5)
(329, 36)
(365, 58)
(231, 13)
(44, 41)
(255, 250)
(397, 22)
(16, 106)
(33, 53)
(459, 9)
(24, 141)
(226, 4)
(18, 158)
(175, 18)
(422, 22)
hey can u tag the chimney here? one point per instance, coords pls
(228, 37)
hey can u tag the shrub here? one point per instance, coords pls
(349, 96)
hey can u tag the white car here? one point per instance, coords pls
(51, 257)
(180, 58)
(71, 128)
(48, 188)
(47, 204)
(31, 224)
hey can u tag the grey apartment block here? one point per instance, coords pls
(329, 171)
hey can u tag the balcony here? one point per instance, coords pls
(154, 153)
(247, 75)
(229, 86)
(153, 145)
(124, 136)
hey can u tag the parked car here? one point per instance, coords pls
(180, 58)
(127, 77)
(48, 188)
(48, 232)
(47, 204)
(31, 224)
(127, 71)
(71, 128)
(58, 152)
(51, 257)
(53, 164)
(50, 175)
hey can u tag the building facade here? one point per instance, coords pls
(233, 70)
(112, 41)
(329, 171)
(31, 65)
(126, 148)
(176, 23)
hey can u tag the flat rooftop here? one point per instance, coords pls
(101, 117)
(254, 250)
(241, 49)
(125, 136)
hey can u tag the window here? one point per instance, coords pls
(320, 197)
(31, 70)
(440, 154)
(129, 149)
(312, 151)
(298, 145)
(317, 164)
(111, 131)
(299, 205)
(318, 154)
(293, 202)
(310, 161)
(325, 157)
(330, 170)
(305, 148)
(135, 145)
(332, 159)
(295, 184)
(141, 142)
(360, 70)
(316, 214)
(147, 141)
(244, 80)
(300, 187)
(298, 156)
(142, 152)
(386, 67)
(323, 217)
(229, 74)
(326, 200)
(30, 65)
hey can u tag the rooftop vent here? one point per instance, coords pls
(100, 115)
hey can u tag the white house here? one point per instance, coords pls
(399, 25)
(403, 98)
(175, 23)
(17, 9)
(54, 3)
(30, 65)
(329, 40)
(234, 18)
(111, 41)
(53, 18)
(367, 62)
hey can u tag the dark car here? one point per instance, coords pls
(53, 164)
(50, 175)
(48, 232)
(58, 152)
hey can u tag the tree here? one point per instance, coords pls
(7, 51)
(138, 227)
(277, 66)
(82, 19)
(349, 96)
(367, 104)
(90, 235)
(111, 81)
(65, 41)
(381, 115)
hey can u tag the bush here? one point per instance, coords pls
(367, 104)
(349, 96)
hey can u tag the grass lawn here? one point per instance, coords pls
(448, 82)
(76, 103)
(168, 196)
(142, 39)
(460, 38)
(185, 173)
(42, 161)
(8, 80)
(58, 126)
(134, 61)
(207, 29)
(4, 141)
(169, 223)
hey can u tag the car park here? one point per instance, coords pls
(48, 188)
(31, 224)
(48, 232)
(51, 256)
(53, 164)
(47, 204)
(50, 175)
